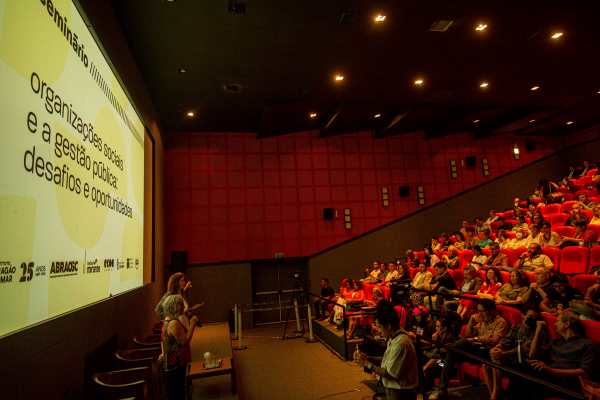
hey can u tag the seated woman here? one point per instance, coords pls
(175, 345)
(177, 284)
(493, 283)
(511, 293)
(479, 259)
(524, 342)
(355, 321)
(376, 274)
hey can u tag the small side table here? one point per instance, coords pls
(196, 370)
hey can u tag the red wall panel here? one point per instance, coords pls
(234, 197)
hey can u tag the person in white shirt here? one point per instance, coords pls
(399, 369)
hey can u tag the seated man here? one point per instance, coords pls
(321, 305)
(497, 259)
(570, 356)
(547, 237)
(533, 258)
(525, 341)
(576, 215)
(561, 295)
(442, 282)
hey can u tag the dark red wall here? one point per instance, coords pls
(234, 197)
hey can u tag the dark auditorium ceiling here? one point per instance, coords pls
(265, 65)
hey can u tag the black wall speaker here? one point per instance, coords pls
(328, 214)
(404, 191)
(530, 146)
(470, 161)
(179, 261)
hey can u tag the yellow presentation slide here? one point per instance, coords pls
(71, 167)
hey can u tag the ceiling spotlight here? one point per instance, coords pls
(532, 121)
(339, 77)
(534, 88)
(484, 85)
(182, 70)
(377, 116)
(476, 121)
(191, 114)
(419, 82)
(570, 122)
(379, 18)
(312, 115)
(556, 35)
(598, 92)
(481, 27)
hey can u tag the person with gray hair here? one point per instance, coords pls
(175, 344)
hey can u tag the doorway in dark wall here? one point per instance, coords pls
(274, 284)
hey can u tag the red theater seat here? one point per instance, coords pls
(510, 253)
(458, 276)
(582, 282)
(592, 172)
(563, 231)
(505, 276)
(574, 260)
(510, 234)
(554, 254)
(550, 320)
(401, 311)
(420, 255)
(512, 315)
(592, 330)
(465, 257)
(558, 219)
(594, 256)
(567, 205)
(413, 272)
(551, 209)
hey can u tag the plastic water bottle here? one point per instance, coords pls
(356, 355)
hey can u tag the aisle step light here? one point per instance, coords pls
(453, 170)
(347, 218)
(420, 195)
(485, 166)
(385, 197)
(516, 151)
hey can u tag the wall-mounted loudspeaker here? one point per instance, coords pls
(328, 214)
(470, 161)
(404, 191)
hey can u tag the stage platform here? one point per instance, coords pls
(334, 339)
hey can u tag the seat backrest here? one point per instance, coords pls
(594, 254)
(512, 315)
(512, 257)
(413, 271)
(530, 276)
(592, 330)
(588, 213)
(458, 276)
(574, 260)
(510, 234)
(465, 257)
(563, 231)
(554, 254)
(558, 219)
(420, 255)
(551, 209)
(582, 282)
(401, 311)
(591, 172)
(505, 276)
(567, 205)
(550, 320)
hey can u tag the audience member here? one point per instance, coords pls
(451, 260)
(399, 369)
(497, 259)
(595, 216)
(177, 284)
(479, 259)
(561, 295)
(547, 237)
(321, 306)
(392, 272)
(484, 239)
(471, 285)
(493, 283)
(533, 258)
(511, 293)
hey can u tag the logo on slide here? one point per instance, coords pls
(63, 268)
(109, 263)
(92, 267)
(7, 270)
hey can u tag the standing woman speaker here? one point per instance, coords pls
(398, 372)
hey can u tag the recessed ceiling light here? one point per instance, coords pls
(182, 70)
(419, 82)
(556, 35)
(191, 114)
(377, 115)
(481, 27)
(570, 122)
(532, 121)
(312, 115)
(534, 88)
(598, 92)
(379, 18)
(476, 121)
(484, 85)
(338, 77)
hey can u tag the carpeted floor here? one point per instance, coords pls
(271, 368)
